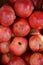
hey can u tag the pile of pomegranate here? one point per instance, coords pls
(21, 32)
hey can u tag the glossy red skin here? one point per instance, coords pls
(16, 48)
(5, 34)
(16, 61)
(26, 57)
(36, 44)
(37, 3)
(36, 59)
(23, 8)
(21, 27)
(7, 15)
(36, 20)
(4, 47)
(5, 59)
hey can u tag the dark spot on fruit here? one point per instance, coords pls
(19, 43)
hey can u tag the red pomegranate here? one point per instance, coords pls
(4, 47)
(18, 46)
(21, 27)
(7, 15)
(5, 34)
(36, 20)
(16, 61)
(23, 8)
(36, 59)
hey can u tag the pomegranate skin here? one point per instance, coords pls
(18, 46)
(12, 1)
(37, 3)
(16, 61)
(5, 34)
(4, 47)
(36, 20)
(42, 7)
(36, 43)
(5, 59)
(7, 15)
(27, 56)
(36, 59)
(21, 27)
(23, 8)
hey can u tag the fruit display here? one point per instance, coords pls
(21, 32)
